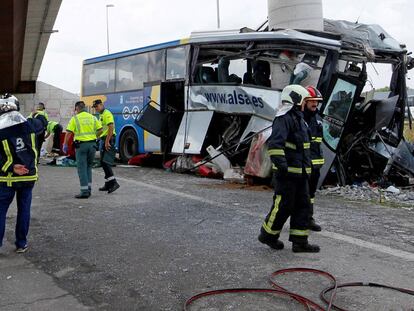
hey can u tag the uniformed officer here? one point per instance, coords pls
(85, 128)
(56, 129)
(107, 146)
(289, 150)
(315, 126)
(18, 166)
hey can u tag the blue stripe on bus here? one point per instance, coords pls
(132, 52)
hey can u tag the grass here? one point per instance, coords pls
(409, 133)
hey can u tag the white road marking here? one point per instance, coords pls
(376, 247)
(332, 235)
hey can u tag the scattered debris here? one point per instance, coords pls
(365, 192)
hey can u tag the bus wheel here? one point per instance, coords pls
(128, 146)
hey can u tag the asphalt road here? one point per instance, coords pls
(163, 237)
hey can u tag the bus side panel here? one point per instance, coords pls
(125, 107)
(152, 143)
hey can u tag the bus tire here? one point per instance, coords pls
(128, 146)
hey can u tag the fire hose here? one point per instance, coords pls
(306, 303)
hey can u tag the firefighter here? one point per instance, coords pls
(18, 166)
(85, 128)
(315, 125)
(107, 146)
(41, 115)
(289, 150)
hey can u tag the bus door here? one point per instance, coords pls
(172, 104)
(152, 96)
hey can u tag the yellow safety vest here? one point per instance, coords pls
(106, 118)
(84, 126)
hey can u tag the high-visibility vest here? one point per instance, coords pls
(50, 126)
(39, 112)
(84, 126)
(106, 118)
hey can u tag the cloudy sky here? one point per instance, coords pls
(137, 23)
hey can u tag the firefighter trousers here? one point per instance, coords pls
(313, 184)
(291, 198)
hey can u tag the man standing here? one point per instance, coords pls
(315, 126)
(85, 128)
(18, 167)
(56, 129)
(107, 146)
(289, 146)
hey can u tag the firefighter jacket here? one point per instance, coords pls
(18, 146)
(315, 126)
(289, 145)
(40, 115)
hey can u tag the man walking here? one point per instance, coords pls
(315, 126)
(85, 128)
(289, 151)
(107, 146)
(18, 167)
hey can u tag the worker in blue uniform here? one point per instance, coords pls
(289, 151)
(18, 166)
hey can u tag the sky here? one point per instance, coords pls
(136, 23)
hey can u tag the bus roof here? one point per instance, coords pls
(228, 36)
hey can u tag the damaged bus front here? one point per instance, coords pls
(215, 96)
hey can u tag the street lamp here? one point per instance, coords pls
(107, 25)
(218, 14)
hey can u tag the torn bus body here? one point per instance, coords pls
(230, 96)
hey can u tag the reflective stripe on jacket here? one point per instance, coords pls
(315, 127)
(84, 125)
(289, 145)
(18, 146)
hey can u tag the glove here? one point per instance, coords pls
(65, 148)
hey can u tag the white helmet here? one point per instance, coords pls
(8, 103)
(294, 94)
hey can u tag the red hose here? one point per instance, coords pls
(305, 302)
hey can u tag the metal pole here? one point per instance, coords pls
(107, 25)
(218, 14)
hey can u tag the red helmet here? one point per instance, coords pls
(314, 93)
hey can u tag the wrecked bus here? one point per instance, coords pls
(211, 94)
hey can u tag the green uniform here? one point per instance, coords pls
(108, 156)
(84, 126)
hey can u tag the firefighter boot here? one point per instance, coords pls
(314, 226)
(270, 241)
(305, 248)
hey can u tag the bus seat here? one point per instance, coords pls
(125, 84)
(261, 73)
(101, 86)
(205, 75)
(248, 78)
(89, 87)
(111, 84)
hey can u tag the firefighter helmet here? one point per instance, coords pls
(314, 93)
(294, 94)
(8, 103)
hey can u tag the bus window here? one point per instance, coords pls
(176, 63)
(156, 66)
(99, 78)
(131, 72)
(231, 71)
